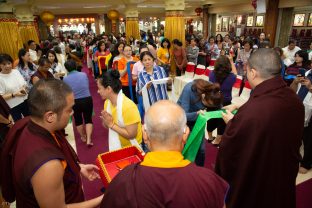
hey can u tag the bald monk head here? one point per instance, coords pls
(165, 127)
(262, 65)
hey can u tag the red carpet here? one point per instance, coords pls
(99, 139)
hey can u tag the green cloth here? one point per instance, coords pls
(194, 140)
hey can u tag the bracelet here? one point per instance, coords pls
(112, 125)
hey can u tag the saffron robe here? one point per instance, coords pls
(27, 147)
(143, 186)
(259, 153)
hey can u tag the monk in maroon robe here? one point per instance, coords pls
(38, 167)
(164, 178)
(259, 153)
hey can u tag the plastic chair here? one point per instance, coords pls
(200, 72)
(190, 68)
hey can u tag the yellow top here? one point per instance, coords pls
(165, 159)
(131, 115)
(163, 55)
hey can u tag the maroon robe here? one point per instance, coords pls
(27, 147)
(40, 75)
(259, 153)
(5, 112)
(140, 186)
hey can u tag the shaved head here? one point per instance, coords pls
(266, 61)
(165, 121)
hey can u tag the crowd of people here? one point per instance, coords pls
(258, 147)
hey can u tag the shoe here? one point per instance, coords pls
(211, 140)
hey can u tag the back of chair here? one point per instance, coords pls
(200, 70)
(189, 71)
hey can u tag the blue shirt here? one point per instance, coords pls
(79, 83)
(157, 92)
(226, 86)
(190, 102)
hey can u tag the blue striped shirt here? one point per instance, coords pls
(157, 92)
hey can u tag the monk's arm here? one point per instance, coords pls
(128, 132)
(47, 183)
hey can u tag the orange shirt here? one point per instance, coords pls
(122, 63)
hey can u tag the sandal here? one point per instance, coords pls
(83, 139)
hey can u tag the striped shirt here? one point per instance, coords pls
(157, 92)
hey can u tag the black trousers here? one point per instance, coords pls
(83, 107)
(307, 147)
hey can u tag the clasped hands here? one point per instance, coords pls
(107, 119)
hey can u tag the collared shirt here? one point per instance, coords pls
(27, 74)
(157, 92)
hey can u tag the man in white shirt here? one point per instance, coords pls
(289, 52)
(32, 51)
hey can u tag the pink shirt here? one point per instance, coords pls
(138, 67)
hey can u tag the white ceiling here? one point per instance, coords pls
(146, 7)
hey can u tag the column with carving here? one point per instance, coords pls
(205, 21)
(26, 24)
(132, 22)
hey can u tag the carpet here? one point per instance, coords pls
(99, 139)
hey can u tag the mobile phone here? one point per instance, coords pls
(302, 72)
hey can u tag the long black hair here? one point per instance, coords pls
(22, 52)
(111, 78)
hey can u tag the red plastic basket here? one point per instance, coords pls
(108, 162)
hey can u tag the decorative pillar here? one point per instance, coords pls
(132, 23)
(108, 25)
(213, 24)
(97, 25)
(286, 23)
(10, 41)
(175, 24)
(174, 21)
(26, 24)
(205, 21)
(113, 15)
(271, 17)
(47, 18)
